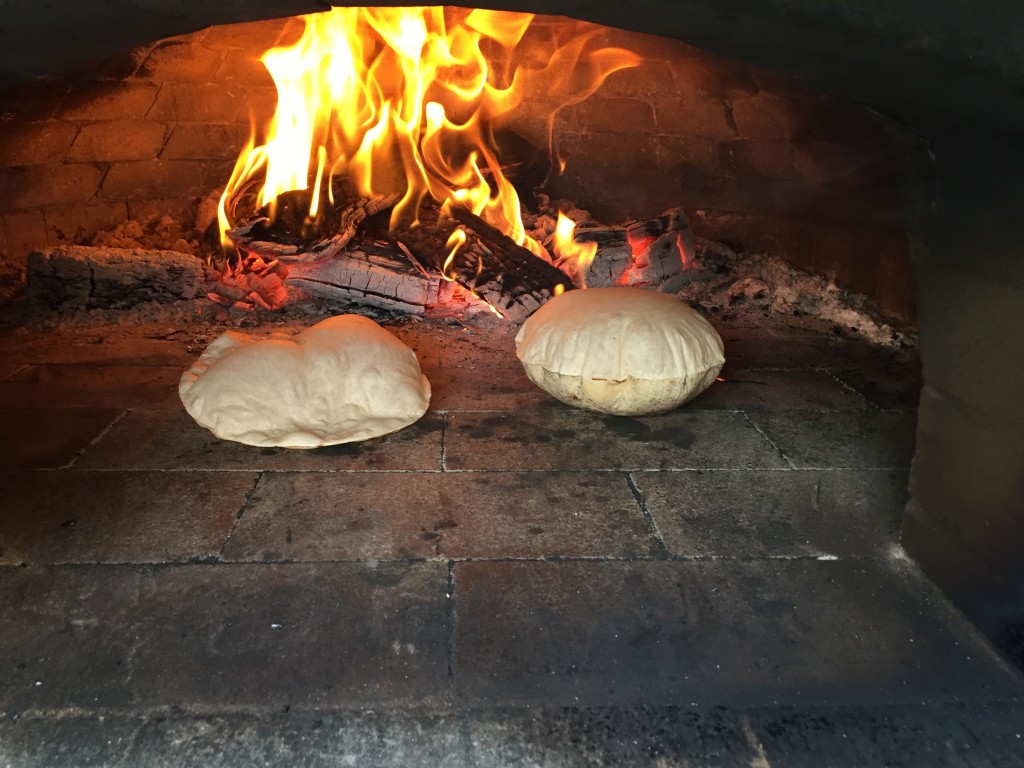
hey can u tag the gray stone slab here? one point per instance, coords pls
(560, 437)
(776, 514)
(144, 345)
(905, 736)
(950, 736)
(462, 345)
(93, 386)
(384, 516)
(171, 439)
(42, 438)
(237, 636)
(484, 388)
(572, 737)
(304, 740)
(71, 516)
(889, 387)
(297, 739)
(82, 741)
(712, 633)
(784, 390)
(854, 440)
(427, 339)
(775, 344)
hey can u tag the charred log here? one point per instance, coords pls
(375, 274)
(288, 233)
(76, 276)
(639, 253)
(346, 252)
(507, 276)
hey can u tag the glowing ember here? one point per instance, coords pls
(401, 100)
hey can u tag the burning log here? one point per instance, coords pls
(363, 263)
(367, 131)
(663, 245)
(639, 253)
(73, 276)
(291, 236)
(480, 258)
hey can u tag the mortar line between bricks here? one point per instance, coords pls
(133, 738)
(96, 439)
(857, 392)
(194, 710)
(761, 758)
(99, 186)
(867, 557)
(169, 128)
(652, 526)
(450, 594)
(880, 556)
(239, 514)
(695, 409)
(770, 442)
(16, 371)
(480, 471)
(444, 440)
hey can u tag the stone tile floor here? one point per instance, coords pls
(509, 582)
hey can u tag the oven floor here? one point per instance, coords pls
(509, 582)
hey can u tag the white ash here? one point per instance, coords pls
(165, 232)
(726, 285)
(732, 286)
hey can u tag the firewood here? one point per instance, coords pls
(665, 245)
(290, 236)
(72, 276)
(375, 275)
(507, 276)
(639, 253)
(488, 263)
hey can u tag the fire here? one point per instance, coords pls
(573, 257)
(402, 100)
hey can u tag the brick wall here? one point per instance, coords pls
(754, 159)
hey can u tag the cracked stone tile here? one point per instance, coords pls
(891, 388)
(224, 635)
(45, 438)
(459, 515)
(72, 516)
(9, 369)
(846, 440)
(646, 736)
(84, 741)
(143, 345)
(782, 390)
(560, 437)
(173, 440)
(93, 386)
(845, 513)
(714, 632)
(323, 739)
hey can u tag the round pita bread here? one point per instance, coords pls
(343, 379)
(625, 351)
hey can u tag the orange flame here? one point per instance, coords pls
(575, 258)
(401, 100)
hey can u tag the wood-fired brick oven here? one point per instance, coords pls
(759, 160)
